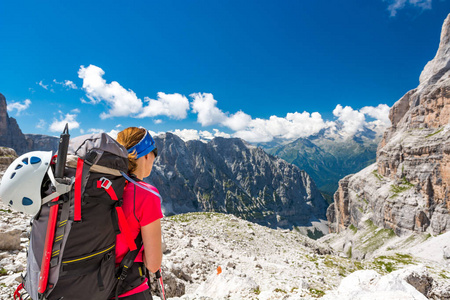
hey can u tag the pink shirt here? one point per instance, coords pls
(140, 208)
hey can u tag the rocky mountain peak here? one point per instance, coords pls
(440, 65)
(10, 133)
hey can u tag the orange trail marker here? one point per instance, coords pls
(219, 270)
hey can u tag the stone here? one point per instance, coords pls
(10, 239)
(446, 252)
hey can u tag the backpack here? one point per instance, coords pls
(71, 253)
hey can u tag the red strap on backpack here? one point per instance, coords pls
(106, 184)
(17, 292)
(77, 188)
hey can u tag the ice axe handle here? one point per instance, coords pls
(62, 152)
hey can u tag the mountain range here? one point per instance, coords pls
(230, 176)
(329, 156)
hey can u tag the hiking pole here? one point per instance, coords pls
(53, 215)
(161, 284)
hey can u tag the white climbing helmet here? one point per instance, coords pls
(20, 187)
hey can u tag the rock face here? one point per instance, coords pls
(10, 134)
(408, 188)
(40, 142)
(230, 176)
(7, 156)
(12, 137)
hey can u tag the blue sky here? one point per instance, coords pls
(253, 69)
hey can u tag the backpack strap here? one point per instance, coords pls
(125, 267)
(106, 184)
(59, 234)
(82, 172)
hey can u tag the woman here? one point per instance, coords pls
(141, 207)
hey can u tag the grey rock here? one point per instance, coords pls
(10, 239)
(12, 137)
(446, 252)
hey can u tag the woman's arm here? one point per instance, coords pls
(151, 235)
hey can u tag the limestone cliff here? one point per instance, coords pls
(10, 134)
(408, 188)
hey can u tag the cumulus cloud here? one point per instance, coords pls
(209, 114)
(18, 107)
(58, 125)
(205, 106)
(238, 121)
(396, 5)
(174, 106)
(352, 120)
(122, 102)
(293, 126)
(202, 135)
(379, 113)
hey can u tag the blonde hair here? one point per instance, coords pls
(128, 138)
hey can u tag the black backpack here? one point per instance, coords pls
(80, 227)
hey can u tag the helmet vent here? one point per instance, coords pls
(34, 160)
(18, 167)
(12, 175)
(25, 160)
(26, 201)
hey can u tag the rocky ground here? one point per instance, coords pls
(217, 256)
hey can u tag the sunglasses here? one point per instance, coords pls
(155, 151)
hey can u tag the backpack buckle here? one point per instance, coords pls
(105, 183)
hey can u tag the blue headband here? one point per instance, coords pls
(144, 147)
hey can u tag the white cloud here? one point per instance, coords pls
(125, 103)
(41, 124)
(218, 133)
(122, 102)
(18, 107)
(352, 120)
(75, 111)
(95, 130)
(70, 84)
(45, 86)
(174, 106)
(187, 134)
(158, 121)
(238, 121)
(208, 113)
(204, 105)
(380, 113)
(202, 135)
(58, 125)
(396, 5)
(293, 126)
(113, 133)
(67, 83)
